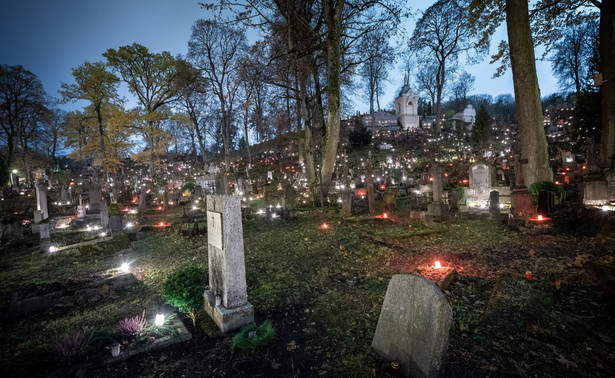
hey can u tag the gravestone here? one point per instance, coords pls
(116, 224)
(480, 177)
(64, 196)
(95, 196)
(198, 191)
(546, 202)
(453, 201)
(494, 201)
(45, 230)
(80, 211)
(104, 214)
(38, 216)
(41, 200)
(521, 199)
(595, 193)
(437, 208)
(413, 326)
(226, 299)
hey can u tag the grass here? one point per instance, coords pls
(336, 280)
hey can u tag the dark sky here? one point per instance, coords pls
(50, 37)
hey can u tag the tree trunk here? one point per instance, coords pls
(101, 132)
(527, 94)
(307, 141)
(245, 130)
(607, 54)
(333, 43)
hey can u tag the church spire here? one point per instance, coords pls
(406, 78)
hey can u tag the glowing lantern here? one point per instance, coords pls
(324, 226)
(159, 320)
(437, 264)
(53, 248)
(540, 217)
(385, 215)
(125, 267)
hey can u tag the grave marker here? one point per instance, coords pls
(226, 300)
(413, 325)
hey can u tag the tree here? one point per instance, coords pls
(151, 77)
(332, 28)
(378, 55)
(93, 83)
(440, 36)
(75, 134)
(461, 87)
(573, 54)
(481, 131)
(22, 101)
(192, 88)
(215, 49)
(485, 17)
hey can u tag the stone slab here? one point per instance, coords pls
(413, 326)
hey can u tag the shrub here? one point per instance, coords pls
(184, 290)
(132, 327)
(461, 193)
(114, 210)
(69, 345)
(540, 186)
(264, 334)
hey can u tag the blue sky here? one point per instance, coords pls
(50, 37)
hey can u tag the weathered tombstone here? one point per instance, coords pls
(80, 211)
(104, 214)
(45, 230)
(41, 200)
(494, 201)
(64, 195)
(38, 216)
(226, 300)
(413, 326)
(437, 208)
(95, 196)
(546, 202)
(521, 200)
(453, 201)
(480, 177)
(595, 193)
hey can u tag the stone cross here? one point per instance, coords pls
(226, 300)
(41, 200)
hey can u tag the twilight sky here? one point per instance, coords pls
(50, 37)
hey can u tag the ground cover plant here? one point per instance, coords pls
(322, 291)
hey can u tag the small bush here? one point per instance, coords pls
(69, 345)
(264, 334)
(184, 290)
(540, 186)
(114, 210)
(132, 327)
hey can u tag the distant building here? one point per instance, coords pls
(406, 107)
(382, 120)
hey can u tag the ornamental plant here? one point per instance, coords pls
(262, 335)
(71, 344)
(184, 290)
(131, 328)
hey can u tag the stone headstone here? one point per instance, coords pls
(41, 200)
(64, 195)
(269, 175)
(521, 202)
(95, 197)
(413, 326)
(494, 201)
(480, 177)
(104, 214)
(38, 216)
(116, 224)
(346, 203)
(436, 174)
(45, 230)
(595, 193)
(453, 201)
(226, 300)
(80, 211)
(546, 202)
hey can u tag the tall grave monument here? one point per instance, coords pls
(226, 300)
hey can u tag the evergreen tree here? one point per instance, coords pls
(482, 128)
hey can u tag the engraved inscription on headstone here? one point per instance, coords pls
(214, 229)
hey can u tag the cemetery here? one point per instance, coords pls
(233, 209)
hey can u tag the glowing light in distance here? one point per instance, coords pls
(159, 320)
(437, 264)
(125, 267)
